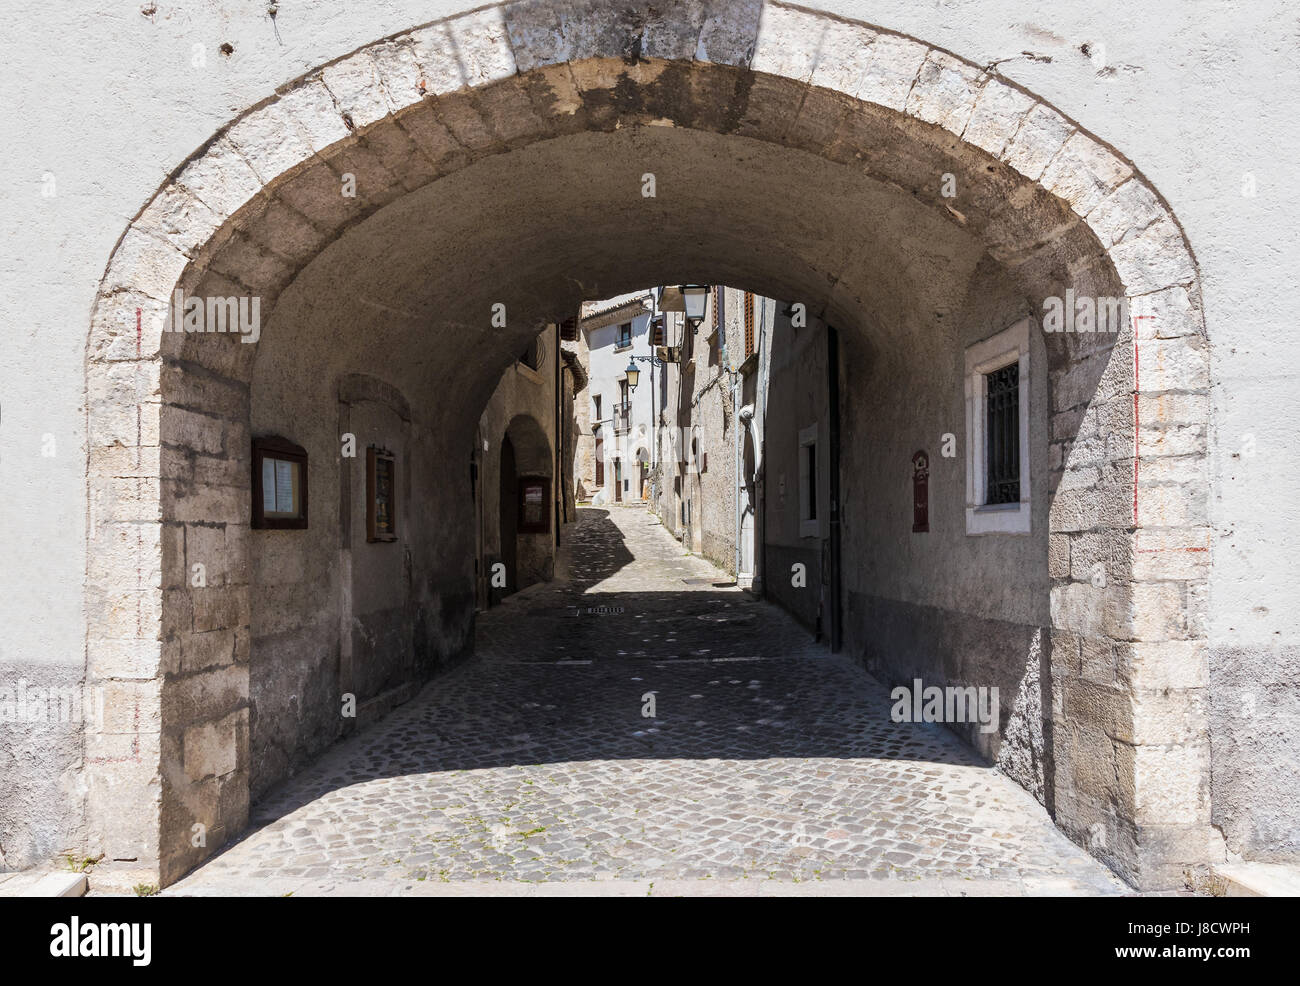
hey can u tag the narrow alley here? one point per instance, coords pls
(767, 766)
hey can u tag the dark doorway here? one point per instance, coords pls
(508, 507)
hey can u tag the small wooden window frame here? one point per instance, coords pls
(544, 525)
(278, 448)
(374, 456)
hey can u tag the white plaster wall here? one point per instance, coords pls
(607, 365)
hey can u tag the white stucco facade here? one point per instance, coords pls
(1197, 101)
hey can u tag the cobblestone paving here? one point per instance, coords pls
(767, 759)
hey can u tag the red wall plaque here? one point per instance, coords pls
(920, 493)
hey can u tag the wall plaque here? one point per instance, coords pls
(920, 493)
(381, 495)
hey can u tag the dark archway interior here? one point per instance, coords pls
(861, 236)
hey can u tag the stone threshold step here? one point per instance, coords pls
(42, 883)
(1259, 879)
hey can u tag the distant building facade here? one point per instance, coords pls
(620, 405)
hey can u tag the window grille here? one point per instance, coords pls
(1002, 403)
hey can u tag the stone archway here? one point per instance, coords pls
(415, 118)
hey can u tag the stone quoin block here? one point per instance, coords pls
(1169, 506)
(210, 748)
(1155, 665)
(1171, 783)
(129, 657)
(1180, 554)
(1157, 438)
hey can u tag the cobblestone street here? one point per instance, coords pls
(768, 766)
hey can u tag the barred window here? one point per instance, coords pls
(1003, 430)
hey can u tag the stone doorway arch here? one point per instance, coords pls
(258, 208)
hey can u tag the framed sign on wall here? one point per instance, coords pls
(279, 484)
(534, 504)
(381, 495)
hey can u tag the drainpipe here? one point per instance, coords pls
(735, 459)
(559, 494)
(833, 393)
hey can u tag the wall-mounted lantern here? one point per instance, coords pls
(696, 298)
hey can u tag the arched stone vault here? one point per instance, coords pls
(454, 132)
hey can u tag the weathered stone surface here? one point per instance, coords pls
(1083, 173)
(945, 92)
(1041, 135)
(998, 114)
(355, 87)
(893, 68)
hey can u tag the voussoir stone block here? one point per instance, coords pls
(729, 33)
(354, 84)
(221, 178)
(1083, 173)
(270, 141)
(483, 45)
(535, 34)
(672, 31)
(1126, 211)
(788, 42)
(175, 215)
(1043, 133)
(1156, 258)
(894, 64)
(399, 73)
(999, 112)
(317, 115)
(945, 92)
(145, 264)
(843, 57)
